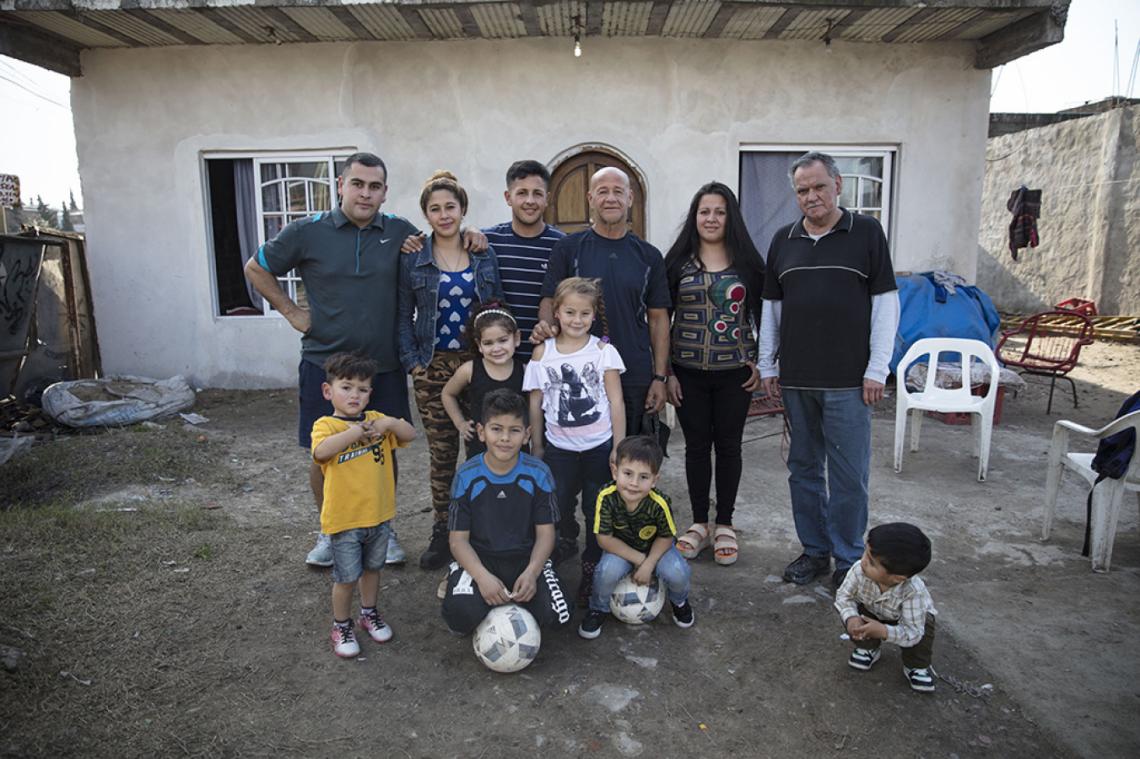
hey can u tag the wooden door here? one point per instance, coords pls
(569, 208)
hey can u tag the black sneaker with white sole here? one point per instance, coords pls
(863, 658)
(683, 615)
(591, 626)
(921, 679)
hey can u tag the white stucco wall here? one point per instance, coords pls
(679, 109)
(1089, 228)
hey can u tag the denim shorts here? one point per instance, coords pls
(359, 549)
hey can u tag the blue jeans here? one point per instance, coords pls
(575, 471)
(356, 550)
(671, 568)
(832, 427)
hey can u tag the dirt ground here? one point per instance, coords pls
(153, 581)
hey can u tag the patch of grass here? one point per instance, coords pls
(81, 467)
(204, 552)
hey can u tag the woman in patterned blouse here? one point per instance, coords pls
(715, 278)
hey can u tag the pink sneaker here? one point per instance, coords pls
(344, 641)
(375, 626)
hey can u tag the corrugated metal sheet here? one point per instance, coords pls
(751, 23)
(625, 19)
(320, 23)
(443, 22)
(69, 28)
(811, 25)
(255, 23)
(499, 21)
(989, 23)
(198, 25)
(384, 22)
(135, 28)
(689, 19)
(557, 19)
(881, 21)
(937, 24)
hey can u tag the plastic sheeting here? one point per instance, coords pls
(967, 313)
(114, 401)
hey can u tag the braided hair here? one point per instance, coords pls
(590, 288)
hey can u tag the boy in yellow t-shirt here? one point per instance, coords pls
(354, 450)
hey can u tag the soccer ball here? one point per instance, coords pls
(507, 639)
(636, 604)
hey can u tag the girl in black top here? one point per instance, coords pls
(495, 334)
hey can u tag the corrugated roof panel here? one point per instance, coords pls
(255, 23)
(135, 28)
(69, 28)
(444, 24)
(936, 24)
(988, 24)
(872, 26)
(499, 21)
(626, 19)
(812, 25)
(320, 23)
(689, 19)
(197, 25)
(557, 19)
(383, 22)
(751, 23)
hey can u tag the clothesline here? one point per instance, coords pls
(1052, 187)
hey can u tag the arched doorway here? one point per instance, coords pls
(569, 209)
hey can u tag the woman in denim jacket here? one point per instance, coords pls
(441, 285)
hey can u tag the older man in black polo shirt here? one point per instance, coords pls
(830, 314)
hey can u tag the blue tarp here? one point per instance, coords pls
(968, 313)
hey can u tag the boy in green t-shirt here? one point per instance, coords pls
(635, 529)
(354, 448)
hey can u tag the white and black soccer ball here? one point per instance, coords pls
(508, 639)
(637, 604)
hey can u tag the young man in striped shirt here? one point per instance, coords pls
(523, 244)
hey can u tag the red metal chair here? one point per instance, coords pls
(1047, 345)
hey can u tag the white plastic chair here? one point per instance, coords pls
(1107, 496)
(955, 400)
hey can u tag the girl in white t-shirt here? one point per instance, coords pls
(575, 395)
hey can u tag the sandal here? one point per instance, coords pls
(691, 547)
(725, 548)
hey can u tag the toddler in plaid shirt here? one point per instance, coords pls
(882, 598)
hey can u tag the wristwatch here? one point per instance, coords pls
(660, 378)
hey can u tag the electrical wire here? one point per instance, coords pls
(30, 91)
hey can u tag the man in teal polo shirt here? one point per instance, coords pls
(348, 260)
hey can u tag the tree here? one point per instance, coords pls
(71, 206)
(65, 217)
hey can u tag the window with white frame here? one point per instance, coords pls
(767, 200)
(251, 198)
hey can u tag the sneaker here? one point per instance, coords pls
(921, 679)
(344, 641)
(321, 555)
(863, 658)
(396, 554)
(564, 548)
(373, 624)
(441, 589)
(838, 576)
(438, 553)
(586, 584)
(806, 568)
(591, 626)
(683, 614)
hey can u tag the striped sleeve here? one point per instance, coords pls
(603, 517)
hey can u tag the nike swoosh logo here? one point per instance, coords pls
(384, 240)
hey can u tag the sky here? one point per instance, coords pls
(37, 142)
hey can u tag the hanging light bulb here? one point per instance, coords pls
(577, 46)
(827, 36)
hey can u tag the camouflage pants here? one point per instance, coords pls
(443, 438)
